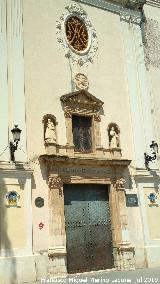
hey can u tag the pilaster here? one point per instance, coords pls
(57, 242)
(145, 101)
(3, 83)
(123, 250)
(16, 73)
(128, 22)
(138, 85)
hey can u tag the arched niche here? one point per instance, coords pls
(113, 135)
(49, 128)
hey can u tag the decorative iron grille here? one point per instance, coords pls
(76, 33)
(82, 133)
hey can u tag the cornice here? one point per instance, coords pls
(129, 10)
(149, 176)
(85, 161)
(17, 169)
(153, 3)
(102, 4)
(115, 5)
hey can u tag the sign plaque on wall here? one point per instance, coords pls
(131, 200)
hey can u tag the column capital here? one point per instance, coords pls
(130, 16)
(120, 184)
(54, 182)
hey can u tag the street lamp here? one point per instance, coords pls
(148, 158)
(16, 138)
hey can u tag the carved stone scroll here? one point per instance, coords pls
(120, 184)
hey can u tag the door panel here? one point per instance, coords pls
(88, 232)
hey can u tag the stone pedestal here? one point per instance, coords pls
(51, 148)
(57, 261)
(124, 257)
(100, 151)
(70, 149)
(114, 153)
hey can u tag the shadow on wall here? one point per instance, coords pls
(7, 269)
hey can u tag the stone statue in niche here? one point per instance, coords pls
(113, 136)
(50, 131)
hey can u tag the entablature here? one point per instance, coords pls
(53, 160)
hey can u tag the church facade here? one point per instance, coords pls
(80, 84)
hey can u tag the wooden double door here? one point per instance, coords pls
(88, 227)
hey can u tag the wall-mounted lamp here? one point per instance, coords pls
(148, 158)
(16, 138)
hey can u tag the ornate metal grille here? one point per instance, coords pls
(76, 33)
(82, 134)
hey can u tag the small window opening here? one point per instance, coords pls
(82, 133)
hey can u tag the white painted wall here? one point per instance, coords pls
(12, 99)
(116, 76)
(153, 77)
(48, 73)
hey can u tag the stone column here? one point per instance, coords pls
(57, 242)
(123, 251)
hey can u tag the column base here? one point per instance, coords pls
(57, 264)
(51, 148)
(124, 257)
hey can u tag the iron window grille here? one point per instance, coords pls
(82, 133)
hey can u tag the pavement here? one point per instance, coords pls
(149, 275)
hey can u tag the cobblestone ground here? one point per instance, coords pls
(151, 275)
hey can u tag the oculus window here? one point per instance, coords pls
(77, 34)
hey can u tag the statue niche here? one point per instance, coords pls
(50, 129)
(113, 134)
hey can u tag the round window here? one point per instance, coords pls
(77, 34)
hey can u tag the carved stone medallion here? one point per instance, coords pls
(39, 202)
(81, 82)
(76, 35)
